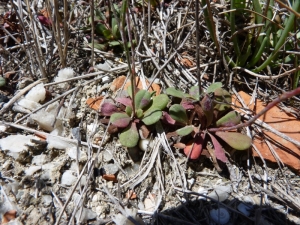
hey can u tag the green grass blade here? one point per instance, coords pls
(289, 26)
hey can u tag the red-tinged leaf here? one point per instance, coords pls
(187, 104)
(230, 119)
(142, 99)
(237, 141)
(108, 107)
(219, 151)
(193, 148)
(45, 21)
(124, 101)
(207, 104)
(120, 120)
(166, 118)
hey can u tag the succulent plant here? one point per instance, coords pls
(148, 110)
(197, 113)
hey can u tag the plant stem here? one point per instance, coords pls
(197, 45)
(281, 98)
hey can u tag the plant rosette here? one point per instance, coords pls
(198, 113)
(147, 111)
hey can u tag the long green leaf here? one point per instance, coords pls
(289, 26)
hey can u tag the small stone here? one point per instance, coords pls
(107, 156)
(111, 168)
(32, 169)
(47, 200)
(68, 178)
(86, 215)
(40, 160)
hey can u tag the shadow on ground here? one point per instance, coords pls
(198, 212)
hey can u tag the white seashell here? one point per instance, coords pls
(220, 215)
(244, 208)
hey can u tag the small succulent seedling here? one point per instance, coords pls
(148, 110)
(197, 113)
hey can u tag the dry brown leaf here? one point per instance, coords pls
(279, 120)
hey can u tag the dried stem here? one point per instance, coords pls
(267, 108)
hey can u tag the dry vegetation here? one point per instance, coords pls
(61, 165)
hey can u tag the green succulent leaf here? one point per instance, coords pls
(129, 91)
(194, 92)
(213, 87)
(230, 119)
(142, 99)
(185, 130)
(222, 95)
(174, 92)
(130, 136)
(121, 120)
(178, 113)
(151, 117)
(159, 102)
(128, 110)
(139, 113)
(114, 43)
(236, 140)
(102, 30)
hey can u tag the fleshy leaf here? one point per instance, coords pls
(124, 101)
(187, 104)
(160, 101)
(185, 130)
(178, 113)
(230, 119)
(108, 108)
(207, 105)
(237, 141)
(128, 110)
(120, 120)
(168, 119)
(194, 147)
(174, 92)
(219, 151)
(139, 113)
(151, 117)
(222, 95)
(194, 92)
(213, 87)
(142, 99)
(129, 91)
(130, 136)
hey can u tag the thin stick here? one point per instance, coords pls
(197, 45)
(281, 98)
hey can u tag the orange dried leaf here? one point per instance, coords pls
(154, 87)
(95, 103)
(117, 83)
